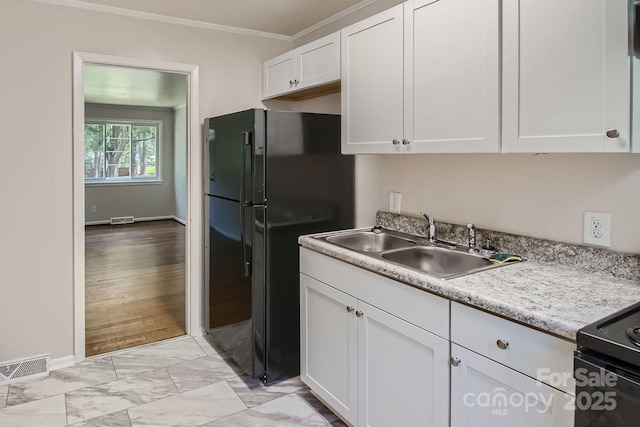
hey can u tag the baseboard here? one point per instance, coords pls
(142, 219)
(180, 220)
(62, 362)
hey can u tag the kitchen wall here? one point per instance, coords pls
(137, 200)
(36, 44)
(542, 196)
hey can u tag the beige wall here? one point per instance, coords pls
(36, 44)
(542, 196)
(139, 200)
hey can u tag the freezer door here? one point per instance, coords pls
(234, 156)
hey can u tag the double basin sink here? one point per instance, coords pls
(439, 259)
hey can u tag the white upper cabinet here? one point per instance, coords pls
(372, 84)
(566, 82)
(451, 76)
(312, 65)
(423, 77)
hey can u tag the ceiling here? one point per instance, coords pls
(284, 17)
(131, 86)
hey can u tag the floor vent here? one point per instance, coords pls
(122, 220)
(22, 369)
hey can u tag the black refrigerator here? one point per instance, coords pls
(270, 176)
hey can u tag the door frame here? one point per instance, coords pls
(194, 226)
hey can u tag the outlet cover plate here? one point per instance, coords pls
(597, 229)
(395, 202)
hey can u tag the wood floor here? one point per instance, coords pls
(134, 284)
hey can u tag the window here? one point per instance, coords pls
(121, 151)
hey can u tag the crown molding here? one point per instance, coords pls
(333, 18)
(163, 18)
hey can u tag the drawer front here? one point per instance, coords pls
(423, 309)
(539, 355)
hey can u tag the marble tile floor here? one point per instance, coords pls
(181, 382)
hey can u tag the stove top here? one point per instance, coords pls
(617, 335)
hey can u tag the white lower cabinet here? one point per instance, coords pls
(486, 393)
(403, 377)
(382, 353)
(371, 367)
(329, 346)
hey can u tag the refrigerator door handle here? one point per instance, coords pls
(247, 143)
(246, 259)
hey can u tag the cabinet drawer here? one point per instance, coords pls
(421, 308)
(539, 355)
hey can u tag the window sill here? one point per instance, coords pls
(121, 183)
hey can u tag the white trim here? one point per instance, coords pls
(333, 18)
(180, 220)
(207, 25)
(62, 362)
(194, 244)
(163, 18)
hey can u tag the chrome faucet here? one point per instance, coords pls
(431, 227)
(472, 238)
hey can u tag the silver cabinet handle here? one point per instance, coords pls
(613, 133)
(406, 142)
(502, 344)
(359, 313)
(350, 309)
(454, 361)
(395, 142)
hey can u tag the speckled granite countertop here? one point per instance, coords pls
(554, 299)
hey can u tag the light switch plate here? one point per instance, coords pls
(395, 202)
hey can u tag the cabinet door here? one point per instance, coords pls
(403, 372)
(318, 62)
(372, 84)
(278, 75)
(565, 76)
(328, 345)
(451, 76)
(486, 393)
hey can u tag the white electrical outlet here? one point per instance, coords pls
(94, 209)
(395, 202)
(597, 229)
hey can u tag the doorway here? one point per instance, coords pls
(113, 169)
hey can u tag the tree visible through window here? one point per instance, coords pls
(120, 151)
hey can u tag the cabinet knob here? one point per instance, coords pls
(502, 344)
(295, 82)
(350, 309)
(406, 142)
(454, 361)
(359, 313)
(290, 82)
(395, 142)
(613, 133)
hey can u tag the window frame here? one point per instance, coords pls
(129, 180)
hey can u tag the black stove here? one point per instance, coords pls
(617, 335)
(607, 371)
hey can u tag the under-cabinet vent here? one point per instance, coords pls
(21, 369)
(122, 220)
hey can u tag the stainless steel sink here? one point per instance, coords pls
(438, 259)
(368, 241)
(439, 262)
